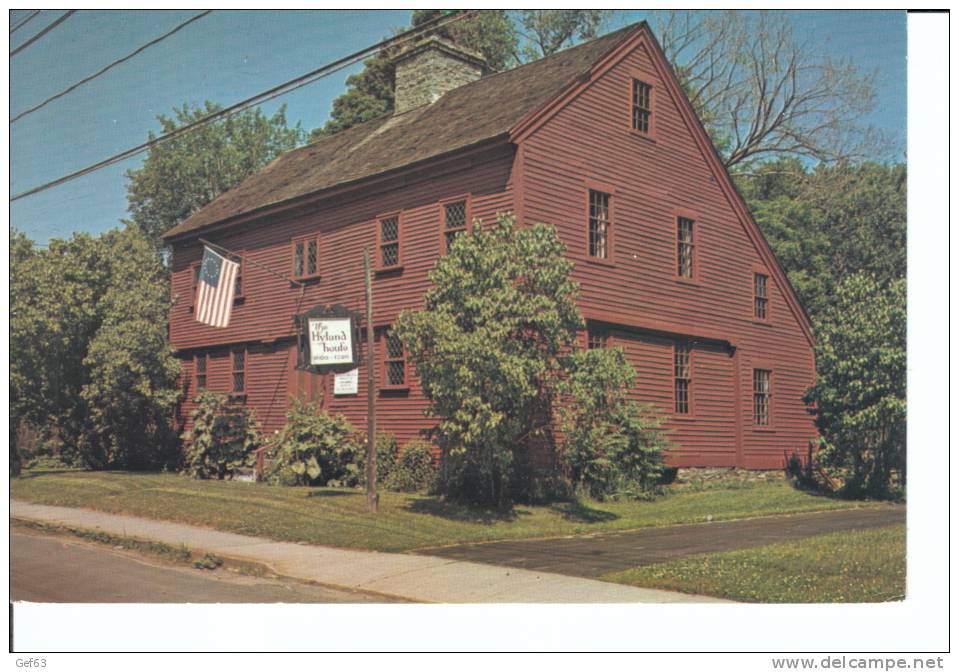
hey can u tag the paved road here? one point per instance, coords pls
(59, 569)
(597, 555)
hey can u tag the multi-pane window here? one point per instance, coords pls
(682, 376)
(685, 247)
(761, 396)
(454, 221)
(389, 241)
(238, 361)
(199, 368)
(597, 339)
(394, 361)
(306, 257)
(642, 106)
(761, 293)
(598, 224)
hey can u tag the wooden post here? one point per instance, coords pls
(371, 494)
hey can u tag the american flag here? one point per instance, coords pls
(215, 286)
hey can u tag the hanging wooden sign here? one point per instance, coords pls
(328, 339)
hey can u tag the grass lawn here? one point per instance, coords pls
(859, 566)
(339, 517)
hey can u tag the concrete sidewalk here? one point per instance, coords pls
(412, 577)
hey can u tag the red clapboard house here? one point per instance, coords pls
(598, 140)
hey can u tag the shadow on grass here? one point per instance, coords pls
(35, 473)
(578, 512)
(462, 512)
(332, 493)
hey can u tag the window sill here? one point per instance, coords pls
(386, 270)
(683, 418)
(387, 389)
(237, 396)
(764, 430)
(307, 280)
(761, 323)
(238, 300)
(692, 282)
(599, 261)
(648, 137)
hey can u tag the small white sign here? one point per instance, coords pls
(346, 383)
(331, 341)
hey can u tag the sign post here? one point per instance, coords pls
(371, 493)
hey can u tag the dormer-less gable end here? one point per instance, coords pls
(639, 106)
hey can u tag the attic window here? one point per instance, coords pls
(598, 224)
(761, 292)
(642, 106)
(684, 247)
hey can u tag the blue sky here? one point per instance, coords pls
(233, 54)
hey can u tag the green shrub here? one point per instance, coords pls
(612, 446)
(224, 437)
(386, 452)
(315, 448)
(414, 470)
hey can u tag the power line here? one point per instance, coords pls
(20, 24)
(258, 99)
(110, 66)
(42, 32)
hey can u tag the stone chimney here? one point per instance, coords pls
(431, 68)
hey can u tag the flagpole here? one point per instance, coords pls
(252, 261)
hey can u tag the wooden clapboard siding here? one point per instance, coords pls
(589, 143)
(263, 318)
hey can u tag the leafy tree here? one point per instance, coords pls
(611, 446)
(487, 348)
(21, 250)
(827, 222)
(90, 366)
(132, 373)
(763, 93)
(860, 393)
(182, 175)
(504, 39)
(224, 437)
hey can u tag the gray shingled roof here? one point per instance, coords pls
(465, 116)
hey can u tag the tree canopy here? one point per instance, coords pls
(831, 221)
(504, 38)
(90, 366)
(860, 391)
(182, 175)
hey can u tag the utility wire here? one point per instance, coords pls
(109, 66)
(258, 99)
(42, 32)
(21, 23)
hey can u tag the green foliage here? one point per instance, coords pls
(182, 175)
(487, 347)
(860, 392)
(224, 437)
(504, 39)
(90, 365)
(315, 448)
(829, 222)
(611, 446)
(387, 450)
(414, 470)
